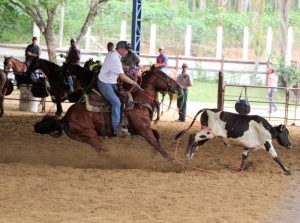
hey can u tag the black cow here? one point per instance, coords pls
(251, 132)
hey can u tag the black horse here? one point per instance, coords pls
(55, 78)
(86, 78)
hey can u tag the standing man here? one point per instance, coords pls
(131, 63)
(110, 71)
(73, 57)
(272, 84)
(162, 60)
(32, 51)
(185, 80)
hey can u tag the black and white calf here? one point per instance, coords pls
(251, 132)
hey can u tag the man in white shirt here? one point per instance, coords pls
(110, 71)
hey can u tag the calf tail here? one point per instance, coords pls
(49, 125)
(180, 134)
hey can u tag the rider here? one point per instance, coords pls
(162, 60)
(131, 63)
(73, 57)
(32, 51)
(110, 71)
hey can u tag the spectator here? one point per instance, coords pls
(73, 57)
(272, 84)
(162, 60)
(110, 71)
(32, 51)
(110, 46)
(185, 80)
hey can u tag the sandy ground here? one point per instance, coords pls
(44, 179)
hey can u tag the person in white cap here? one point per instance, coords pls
(110, 71)
(185, 80)
(162, 60)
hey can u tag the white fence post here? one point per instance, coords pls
(246, 43)
(188, 41)
(269, 42)
(123, 30)
(36, 32)
(219, 42)
(289, 46)
(88, 38)
(152, 39)
(61, 25)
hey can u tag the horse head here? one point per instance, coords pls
(7, 63)
(160, 81)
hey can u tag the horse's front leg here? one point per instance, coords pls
(171, 97)
(59, 109)
(152, 137)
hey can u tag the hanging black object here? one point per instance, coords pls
(242, 106)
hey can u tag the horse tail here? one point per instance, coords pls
(180, 134)
(49, 125)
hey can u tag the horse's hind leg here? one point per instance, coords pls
(87, 136)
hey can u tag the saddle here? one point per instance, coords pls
(95, 102)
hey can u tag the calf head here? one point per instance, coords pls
(193, 144)
(282, 136)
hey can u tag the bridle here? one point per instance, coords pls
(7, 64)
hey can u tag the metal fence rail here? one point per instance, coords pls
(286, 99)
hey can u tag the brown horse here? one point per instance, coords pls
(14, 64)
(84, 126)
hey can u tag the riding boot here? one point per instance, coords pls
(120, 132)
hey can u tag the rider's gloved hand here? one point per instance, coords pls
(138, 87)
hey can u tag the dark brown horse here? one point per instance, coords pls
(84, 126)
(3, 79)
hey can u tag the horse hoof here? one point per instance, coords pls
(288, 173)
(58, 114)
(167, 156)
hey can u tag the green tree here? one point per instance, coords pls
(43, 13)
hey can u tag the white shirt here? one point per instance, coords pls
(111, 68)
(272, 80)
(185, 81)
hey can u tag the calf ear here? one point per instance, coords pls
(282, 128)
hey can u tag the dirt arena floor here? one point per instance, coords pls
(44, 179)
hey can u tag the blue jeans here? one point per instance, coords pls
(181, 104)
(272, 104)
(70, 82)
(108, 91)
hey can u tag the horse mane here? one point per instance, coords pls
(53, 65)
